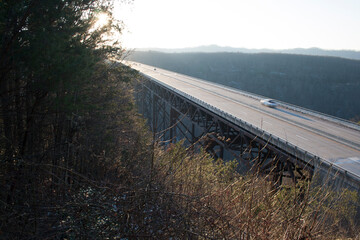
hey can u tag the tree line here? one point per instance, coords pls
(326, 84)
(78, 162)
(65, 114)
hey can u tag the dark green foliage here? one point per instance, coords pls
(75, 158)
(325, 84)
(65, 111)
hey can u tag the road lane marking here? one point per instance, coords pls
(302, 138)
(318, 132)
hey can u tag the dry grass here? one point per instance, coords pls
(148, 192)
(217, 203)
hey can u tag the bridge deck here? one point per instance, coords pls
(334, 142)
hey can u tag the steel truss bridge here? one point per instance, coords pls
(175, 114)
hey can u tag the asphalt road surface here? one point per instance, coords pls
(331, 141)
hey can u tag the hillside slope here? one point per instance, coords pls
(326, 84)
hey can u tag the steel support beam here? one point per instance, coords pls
(174, 117)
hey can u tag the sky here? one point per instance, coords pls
(255, 24)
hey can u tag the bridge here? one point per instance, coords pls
(286, 142)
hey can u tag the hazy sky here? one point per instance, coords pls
(275, 24)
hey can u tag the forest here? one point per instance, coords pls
(77, 160)
(330, 85)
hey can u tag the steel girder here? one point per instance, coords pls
(174, 117)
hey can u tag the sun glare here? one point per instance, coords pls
(102, 20)
(275, 24)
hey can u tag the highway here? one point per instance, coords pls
(331, 141)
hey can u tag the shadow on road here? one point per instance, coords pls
(293, 114)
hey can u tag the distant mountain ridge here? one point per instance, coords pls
(349, 54)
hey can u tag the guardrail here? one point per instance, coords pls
(320, 164)
(314, 113)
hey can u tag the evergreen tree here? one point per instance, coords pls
(56, 82)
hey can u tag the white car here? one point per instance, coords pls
(269, 103)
